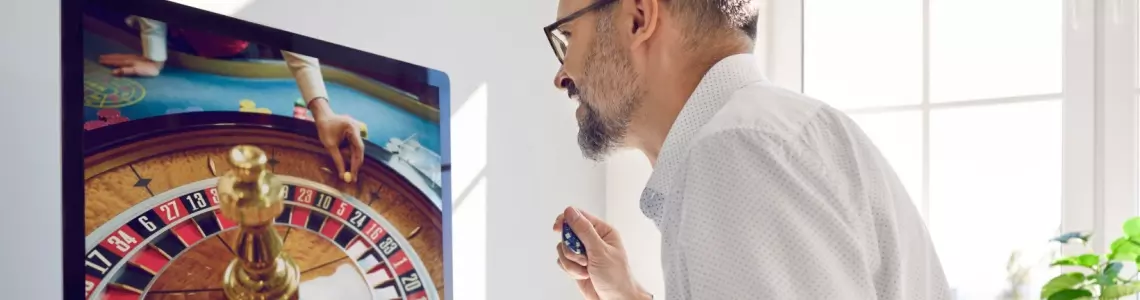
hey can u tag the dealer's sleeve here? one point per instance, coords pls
(153, 35)
(761, 219)
(307, 71)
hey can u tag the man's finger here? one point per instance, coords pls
(558, 224)
(572, 268)
(357, 147)
(574, 257)
(117, 60)
(125, 71)
(337, 159)
(582, 227)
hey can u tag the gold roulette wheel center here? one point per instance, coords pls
(252, 196)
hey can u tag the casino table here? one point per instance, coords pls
(154, 229)
(189, 84)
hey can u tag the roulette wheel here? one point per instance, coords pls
(228, 205)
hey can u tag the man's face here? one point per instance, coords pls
(597, 73)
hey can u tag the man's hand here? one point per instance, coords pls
(131, 65)
(335, 129)
(603, 273)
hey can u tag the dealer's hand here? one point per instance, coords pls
(603, 272)
(335, 129)
(131, 65)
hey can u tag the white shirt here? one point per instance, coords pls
(306, 70)
(763, 193)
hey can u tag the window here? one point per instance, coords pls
(987, 109)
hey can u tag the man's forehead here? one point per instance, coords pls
(567, 7)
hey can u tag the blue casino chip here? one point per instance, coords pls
(571, 240)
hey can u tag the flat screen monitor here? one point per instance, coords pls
(222, 157)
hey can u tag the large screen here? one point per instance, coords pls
(225, 159)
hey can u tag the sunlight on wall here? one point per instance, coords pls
(469, 192)
(225, 7)
(469, 137)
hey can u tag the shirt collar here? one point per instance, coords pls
(715, 89)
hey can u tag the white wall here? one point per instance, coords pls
(30, 151)
(626, 175)
(501, 69)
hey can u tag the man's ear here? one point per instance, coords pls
(646, 15)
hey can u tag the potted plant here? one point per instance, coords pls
(1095, 276)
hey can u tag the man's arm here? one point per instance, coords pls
(307, 71)
(760, 221)
(153, 36)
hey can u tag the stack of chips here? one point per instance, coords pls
(300, 111)
(107, 116)
(246, 105)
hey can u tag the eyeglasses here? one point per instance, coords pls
(559, 41)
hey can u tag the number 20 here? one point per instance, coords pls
(411, 282)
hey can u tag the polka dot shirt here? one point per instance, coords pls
(763, 193)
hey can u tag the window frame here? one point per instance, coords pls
(1099, 135)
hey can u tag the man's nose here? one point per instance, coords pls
(561, 80)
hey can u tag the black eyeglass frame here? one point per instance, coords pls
(549, 29)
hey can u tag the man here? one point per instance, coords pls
(759, 192)
(306, 70)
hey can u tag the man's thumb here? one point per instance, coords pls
(584, 229)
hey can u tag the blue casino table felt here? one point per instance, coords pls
(178, 89)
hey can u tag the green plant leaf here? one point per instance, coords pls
(1117, 243)
(1088, 260)
(1061, 283)
(1071, 294)
(1124, 249)
(1065, 261)
(1108, 276)
(1132, 227)
(1118, 291)
(1066, 237)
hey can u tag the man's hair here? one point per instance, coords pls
(718, 15)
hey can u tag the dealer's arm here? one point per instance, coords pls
(152, 33)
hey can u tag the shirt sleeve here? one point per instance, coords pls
(760, 221)
(153, 35)
(307, 71)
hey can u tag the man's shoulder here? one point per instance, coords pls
(762, 110)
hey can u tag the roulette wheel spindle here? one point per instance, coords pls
(251, 196)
